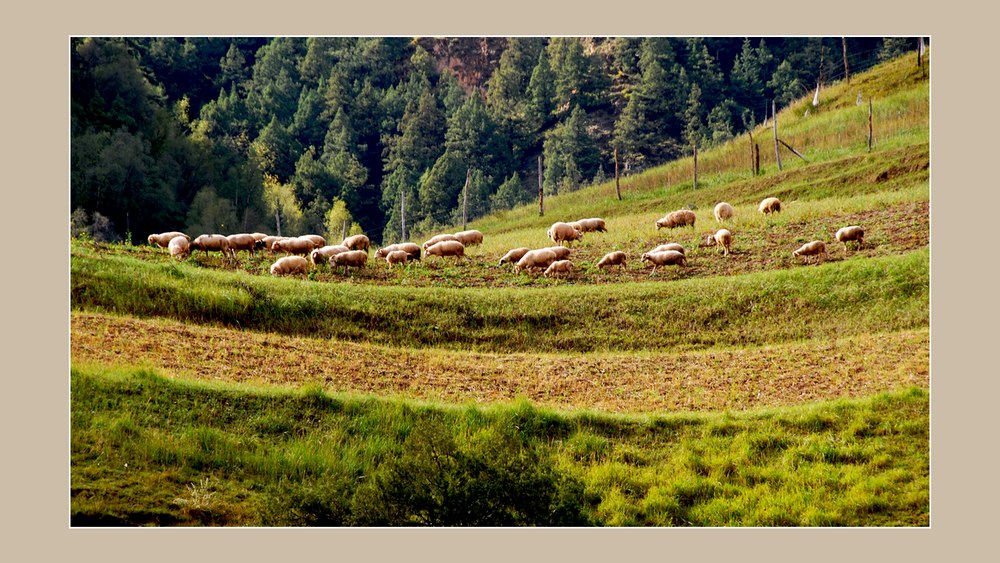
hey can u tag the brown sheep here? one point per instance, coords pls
(532, 259)
(412, 250)
(611, 259)
(357, 242)
(594, 224)
(469, 238)
(349, 259)
(179, 247)
(847, 234)
(316, 240)
(439, 238)
(163, 239)
(665, 258)
(290, 265)
(769, 205)
(513, 255)
(562, 252)
(563, 232)
(447, 248)
(723, 239)
(670, 246)
(322, 255)
(241, 242)
(815, 248)
(559, 267)
(206, 243)
(396, 257)
(300, 246)
(679, 218)
(723, 212)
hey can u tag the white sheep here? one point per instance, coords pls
(665, 258)
(559, 267)
(290, 265)
(179, 247)
(357, 242)
(447, 248)
(206, 243)
(469, 238)
(439, 238)
(723, 239)
(349, 259)
(815, 248)
(616, 258)
(300, 246)
(562, 252)
(540, 258)
(412, 250)
(670, 246)
(847, 234)
(563, 232)
(723, 212)
(163, 239)
(243, 241)
(396, 257)
(322, 255)
(513, 255)
(594, 224)
(679, 218)
(769, 205)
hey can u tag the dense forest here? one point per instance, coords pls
(289, 135)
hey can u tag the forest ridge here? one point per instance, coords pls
(327, 134)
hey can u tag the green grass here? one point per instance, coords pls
(147, 450)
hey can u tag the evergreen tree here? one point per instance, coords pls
(541, 94)
(786, 85)
(570, 154)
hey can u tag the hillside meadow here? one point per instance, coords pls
(743, 390)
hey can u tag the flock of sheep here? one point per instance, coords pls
(306, 251)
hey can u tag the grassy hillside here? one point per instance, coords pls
(748, 389)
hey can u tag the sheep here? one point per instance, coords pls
(559, 267)
(163, 239)
(266, 243)
(322, 255)
(439, 238)
(815, 248)
(243, 241)
(532, 259)
(469, 238)
(300, 246)
(258, 236)
(561, 252)
(563, 232)
(349, 259)
(616, 258)
(357, 242)
(664, 258)
(513, 255)
(679, 218)
(769, 205)
(412, 250)
(723, 239)
(290, 265)
(179, 247)
(211, 242)
(447, 248)
(396, 257)
(670, 246)
(594, 224)
(316, 240)
(847, 234)
(723, 212)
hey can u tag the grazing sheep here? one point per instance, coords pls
(679, 218)
(239, 242)
(532, 259)
(163, 239)
(322, 255)
(616, 258)
(206, 243)
(594, 224)
(439, 238)
(316, 240)
(513, 255)
(258, 236)
(447, 248)
(847, 234)
(815, 248)
(412, 250)
(723, 212)
(396, 257)
(357, 242)
(723, 239)
(290, 265)
(469, 238)
(670, 246)
(300, 246)
(179, 247)
(559, 267)
(266, 243)
(576, 225)
(563, 232)
(664, 258)
(562, 252)
(769, 205)
(350, 259)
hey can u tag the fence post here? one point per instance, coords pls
(870, 124)
(774, 116)
(541, 194)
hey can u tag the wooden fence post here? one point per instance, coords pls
(465, 198)
(541, 194)
(847, 76)
(870, 135)
(402, 214)
(777, 153)
(753, 169)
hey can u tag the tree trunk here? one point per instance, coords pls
(777, 153)
(541, 193)
(402, 215)
(753, 169)
(277, 221)
(847, 76)
(465, 199)
(756, 159)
